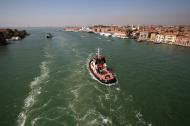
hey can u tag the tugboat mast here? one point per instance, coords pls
(98, 53)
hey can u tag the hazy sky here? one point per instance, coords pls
(89, 12)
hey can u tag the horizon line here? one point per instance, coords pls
(94, 25)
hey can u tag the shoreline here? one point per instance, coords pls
(8, 35)
(171, 35)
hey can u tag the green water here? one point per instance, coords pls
(46, 82)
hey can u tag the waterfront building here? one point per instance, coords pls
(72, 29)
(96, 30)
(86, 29)
(134, 34)
(114, 28)
(170, 38)
(182, 40)
(153, 36)
(138, 27)
(114, 31)
(133, 27)
(160, 38)
(144, 35)
(100, 28)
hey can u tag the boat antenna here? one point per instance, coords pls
(98, 53)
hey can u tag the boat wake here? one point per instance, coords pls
(109, 100)
(71, 101)
(35, 87)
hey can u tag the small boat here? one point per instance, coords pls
(139, 40)
(49, 35)
(157, 42)
(106, 34)
(100, 71)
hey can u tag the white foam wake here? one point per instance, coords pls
(35, 91)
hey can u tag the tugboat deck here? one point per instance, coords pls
(98, 68)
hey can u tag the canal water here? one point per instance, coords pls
(46, 82)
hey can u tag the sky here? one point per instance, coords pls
(42, 13)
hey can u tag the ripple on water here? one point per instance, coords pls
(35, 86)
(77, 106)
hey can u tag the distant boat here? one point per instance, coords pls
(139, 40)
(105, 34)
(157, 42)
(90, 31)
(49, 35)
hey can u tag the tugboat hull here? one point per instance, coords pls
(103, 81)
(49, 36)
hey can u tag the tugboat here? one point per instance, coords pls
(100, 71)
(49, 35)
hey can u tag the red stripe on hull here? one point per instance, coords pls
(106, 82)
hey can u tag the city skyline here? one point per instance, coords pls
(22, 13)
